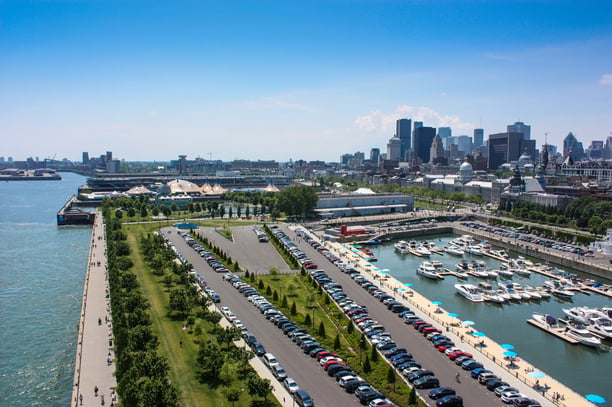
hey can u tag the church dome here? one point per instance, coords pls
(466, 166)
(525, 157)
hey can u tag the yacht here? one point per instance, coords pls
(469, 291)
(462, 266)
(454, 250)
(426, 269)
(402, 247)
(581, 334)
(422, 251)
(509, 289)
(535, 294)
(473, 250)
(547, 320)
(490, 295)
(582, 314)
(601, 326)
(438, 265)
(505, 273)
(561, 293)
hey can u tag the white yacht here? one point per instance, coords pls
(505, 273)
(581, 334)
(402, 247)
(422, 251)
(547, 320)
(535, 294)
(469, 291)
(454, 250)
(601, 326)
(582, 314)
(473, 250)
(489, 294)
(509, 289)
(426, 269)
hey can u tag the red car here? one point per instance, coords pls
(429, 330)
(454, 355)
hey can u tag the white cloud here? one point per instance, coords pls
(606, 79)
(381, 123)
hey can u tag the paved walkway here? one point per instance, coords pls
(530, 386)
(94, 366)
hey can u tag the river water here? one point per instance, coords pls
(42, 271)
(583, 369)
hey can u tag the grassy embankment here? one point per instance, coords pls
(181, 359)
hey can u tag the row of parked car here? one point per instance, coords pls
(532, 237)
(261, 235)
(210, 258)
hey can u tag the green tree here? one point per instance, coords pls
(210, 360)
(232, 395)
(293, 309)
(307, 320)
(367, 368)
(374, 354)
(322, 330)
(351, 328)
(298, 200)
(337, 342)
(412, 399)
(180, 301)
(391, 376)
(259, 387)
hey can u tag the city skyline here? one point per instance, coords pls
(300, 80)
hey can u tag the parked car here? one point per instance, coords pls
(450, 401)
(441, 392)
(427, 382)
(291, 385)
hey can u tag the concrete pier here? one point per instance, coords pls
(95, 366)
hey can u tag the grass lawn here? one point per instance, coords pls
(181, 359)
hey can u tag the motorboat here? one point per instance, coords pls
(469, 291)
(492, 273)
(473, 250)
(402, 247)
(463, 266)
(454, 250)
(489, 294)
(422, 251)
(535, 295)
(505, 273)
(579, 332)
(601, 326)
(561, 293)
(521, 291)
(547, 320)
(508, 287)
(582, 314)
(426, 269)
(543, 293)
(438, 265)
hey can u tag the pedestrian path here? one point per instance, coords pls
(94, 379)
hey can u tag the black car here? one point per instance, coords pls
(258, 349)
(369, 395)
(440, 392)
(418, 374)
(450, 401)
(427, 382)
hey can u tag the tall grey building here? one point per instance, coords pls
(394, 148)
(374, 155)
(403, 130)
(417, 125)
(520, 127)
(478, 137)
(506, 147)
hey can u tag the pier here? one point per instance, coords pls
(70, 215)
(558, 332)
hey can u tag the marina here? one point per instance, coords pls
(504, 322)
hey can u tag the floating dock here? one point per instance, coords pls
(558, 332)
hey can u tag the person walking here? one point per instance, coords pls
(458, 378)
(81, 398)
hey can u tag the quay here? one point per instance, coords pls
(70, 215)
(95, 362)
(558, 332)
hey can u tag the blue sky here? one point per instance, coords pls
(150, 80)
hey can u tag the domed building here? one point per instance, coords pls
(183, 187)
(466, 172)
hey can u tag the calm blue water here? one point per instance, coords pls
(583, 369)
(42, 270)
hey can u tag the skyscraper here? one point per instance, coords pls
(572, 147)
(520, 127)
(478, 137)
(403, 130)
(506, 147)
(374, 154)
(394, 148)
(445, 133)
(421, 142)
(436, 152)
